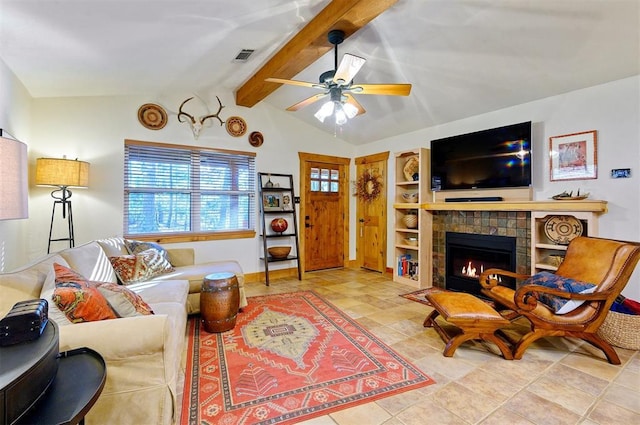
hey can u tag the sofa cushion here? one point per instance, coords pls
(161, 291)
(114, 246)
(90, 261)
(140, 267)
(80, 301)
(558, 304)
(196, 273)
(25, 283)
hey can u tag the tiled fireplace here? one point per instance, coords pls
(469, 254)
(514, 225)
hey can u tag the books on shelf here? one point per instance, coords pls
(407, 267)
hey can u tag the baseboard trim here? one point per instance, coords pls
(259, 277)
(273, 274)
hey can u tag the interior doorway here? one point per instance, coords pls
(371, 207)
(324, 211)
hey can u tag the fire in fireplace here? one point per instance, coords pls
(468, 255)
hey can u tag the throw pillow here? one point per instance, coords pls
(140, 267)
(136, 247)
(122, 300)
(557, 304)
(78, 300)
(55, 313)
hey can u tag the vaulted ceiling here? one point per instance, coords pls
(463, 58)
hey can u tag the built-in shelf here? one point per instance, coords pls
(412, 264)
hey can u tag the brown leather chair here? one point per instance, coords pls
(606, 263)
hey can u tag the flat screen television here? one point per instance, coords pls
(488, 159)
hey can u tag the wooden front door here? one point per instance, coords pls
(371, 207)
(324, 214)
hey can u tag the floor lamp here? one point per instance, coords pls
(63, 173)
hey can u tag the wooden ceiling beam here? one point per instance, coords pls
(309, 44)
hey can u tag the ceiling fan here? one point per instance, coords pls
(337, 84)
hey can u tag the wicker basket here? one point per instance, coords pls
(621, 330)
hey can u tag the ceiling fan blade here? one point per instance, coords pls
(349, 67)
(306, 102)
(352, 100)
(384, 89)
(291, 82)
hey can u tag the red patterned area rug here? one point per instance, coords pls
(290, 357)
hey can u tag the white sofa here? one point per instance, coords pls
(143, 353)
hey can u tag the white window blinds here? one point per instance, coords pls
(183, 189)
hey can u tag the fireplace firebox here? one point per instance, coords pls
(468, 255)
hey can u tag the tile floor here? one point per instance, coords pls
(558, 381)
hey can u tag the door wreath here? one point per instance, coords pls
(369, 186)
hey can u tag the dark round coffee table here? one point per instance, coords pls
(219, 301)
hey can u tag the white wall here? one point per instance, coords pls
(93, 129)
(612, 109)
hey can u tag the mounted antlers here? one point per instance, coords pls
(197, 124)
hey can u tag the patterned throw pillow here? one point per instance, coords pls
(78, 300)
(557, 304)
(121, 301)
(136, 247)
(140, 267)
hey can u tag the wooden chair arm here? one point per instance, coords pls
(488, 281)
(526, 299)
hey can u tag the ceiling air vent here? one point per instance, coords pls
(244, 54)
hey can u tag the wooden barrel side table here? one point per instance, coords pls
(219, 301)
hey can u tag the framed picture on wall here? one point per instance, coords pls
(272, 202)
(573, 156)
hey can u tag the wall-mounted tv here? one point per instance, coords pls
(488, 159)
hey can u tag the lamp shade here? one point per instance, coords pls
(62, 172)
(13, 179)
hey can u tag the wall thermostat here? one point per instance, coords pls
(621, 173)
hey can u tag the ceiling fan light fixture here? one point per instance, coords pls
(350, 110)
(325, 111)
(338, 85)
(341, 116)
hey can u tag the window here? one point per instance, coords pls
(324, 180)
(173, 190)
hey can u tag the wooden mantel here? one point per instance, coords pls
(585, 205)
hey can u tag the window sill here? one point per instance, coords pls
(193, 237)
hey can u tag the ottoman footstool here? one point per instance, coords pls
(472, 316)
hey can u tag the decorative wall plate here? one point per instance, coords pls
(411, 168)
(152, 116)
(256, 139)
(236, 126)
(562, 229)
